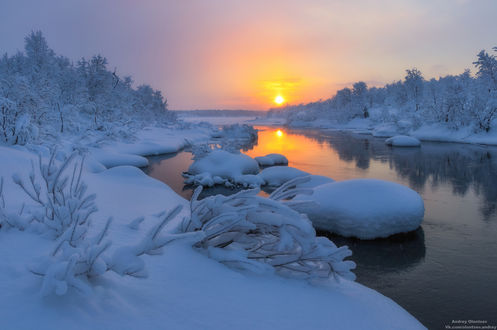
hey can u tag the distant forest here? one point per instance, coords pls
(45, 95)
(454, 101)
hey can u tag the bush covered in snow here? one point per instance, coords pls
(62, 211)
(249, 232)
(453, 101)
(45, 93)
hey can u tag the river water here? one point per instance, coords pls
(444, 271)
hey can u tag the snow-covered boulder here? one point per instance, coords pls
(364, 208)
(271, 160)
(223, 167)
(385, 130)
(277, 175)
(403, 141)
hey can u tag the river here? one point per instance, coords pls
(444, 271)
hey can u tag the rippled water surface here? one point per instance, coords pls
(446, 270)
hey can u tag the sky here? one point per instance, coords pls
(241, 54)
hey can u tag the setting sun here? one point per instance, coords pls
(279, 133)
(279, 99)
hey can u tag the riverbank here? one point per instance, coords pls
(432, 133)
(184, 288)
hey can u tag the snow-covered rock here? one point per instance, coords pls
(277, 175)
(364, 208)
(403, 141)
(271, 160)
(219, 166)
(385, 130)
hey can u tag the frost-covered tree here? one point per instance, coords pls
(452, 101)
(55, 96)
(414, 86)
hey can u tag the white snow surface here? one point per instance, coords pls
(223, 167)
(364, 208)
(277, 175)
(271, 160)
(403, 141)
(184, 290)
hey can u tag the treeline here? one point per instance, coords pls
(43, 94)
(455, 101)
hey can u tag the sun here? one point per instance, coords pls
(279, 100)
(279, 133)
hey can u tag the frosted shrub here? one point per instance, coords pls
(74, 264)
(57, 187)
(247, 231)
(64, 214)
(15, 127)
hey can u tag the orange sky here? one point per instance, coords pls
(225, 54)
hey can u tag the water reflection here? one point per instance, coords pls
(464, 167)
(376, 257)
(446, 268)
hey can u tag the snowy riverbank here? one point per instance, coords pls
(182, 282)
(433, 132)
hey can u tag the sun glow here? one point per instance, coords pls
(279, 100)
(279, 133)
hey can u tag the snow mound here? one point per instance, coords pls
(403, 141)
(110, 158)
(223, 167)
(385, 130)
(364, 208)
(277, 175)
(271, 160)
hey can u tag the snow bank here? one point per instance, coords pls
(223, 167)
(365, 208)
(403, 141)
(181, 282)
(271, 160)
(109, 158)
(277, 175)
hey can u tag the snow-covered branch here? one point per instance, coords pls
(247, 231)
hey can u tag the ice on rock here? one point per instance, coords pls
(403, 141)
(364, 208)
(220, 166)
(271, 160)
(275, 176)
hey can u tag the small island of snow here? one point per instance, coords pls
(364, 208)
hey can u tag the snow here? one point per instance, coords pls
(277, 175)
(403, 141)
(385, 130)
(364, 208)
(271, 160)
(220, 166)
(181, 282)
(314, 181)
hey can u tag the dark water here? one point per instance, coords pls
(444, 271)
